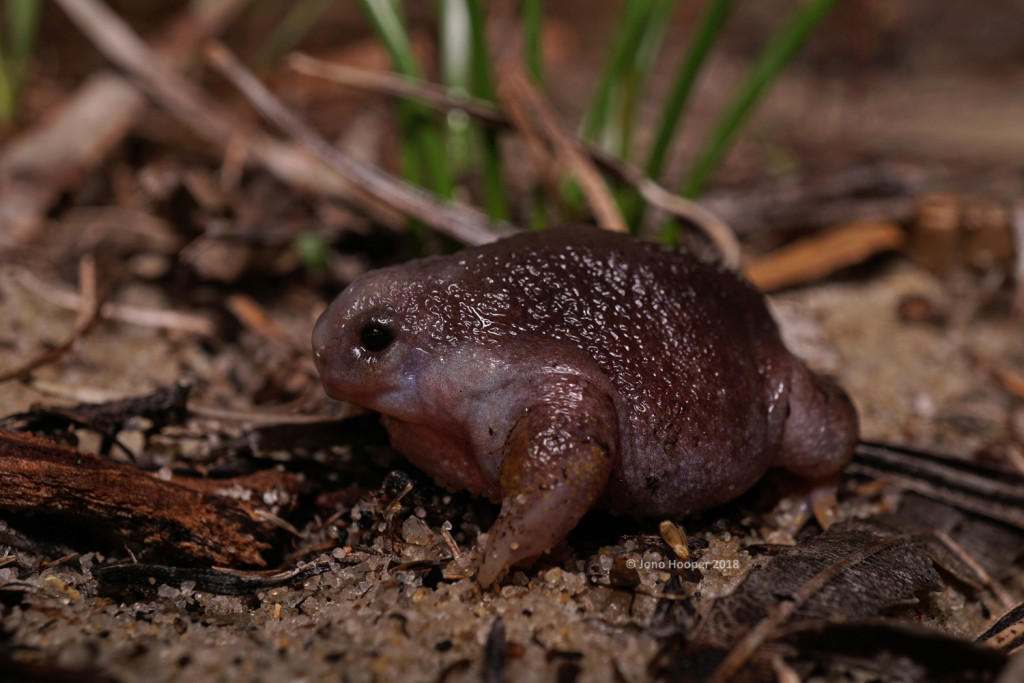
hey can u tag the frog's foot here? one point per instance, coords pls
(823, 503)
(821, 427)
(531, 523)
(556, 463)
(819, 437)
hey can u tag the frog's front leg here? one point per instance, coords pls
(555, 464)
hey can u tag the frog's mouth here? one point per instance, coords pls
(396, 397)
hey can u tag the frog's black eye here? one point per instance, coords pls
(375, 337)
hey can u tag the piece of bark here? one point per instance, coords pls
(154, 518)
(273, 488)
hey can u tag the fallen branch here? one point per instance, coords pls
(156, 519)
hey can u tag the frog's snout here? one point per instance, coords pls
(320, 339)
(325, 335)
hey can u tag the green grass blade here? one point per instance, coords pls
(483, 76)
(17, 44)
(295, 26)
(533, 24)
(456, 45)
(424, 158)
(465, 69)
(708, 30)
(456, 57)
(23, 22)
(783, 46)
(7, 104)
(482, 86)
(632, 84)
(595, 123)
(390, 27)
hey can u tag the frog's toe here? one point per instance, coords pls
(812, 498)
(824, 504)
(521, 534)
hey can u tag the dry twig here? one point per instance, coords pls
(986, 579)
(396, 85)
(820, 255)
(534, 116)
(457, 220)
(139, 316)
(375, 191)
(248, 311)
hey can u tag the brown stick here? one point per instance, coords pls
(820, 255)
(532, 114)
(397, 85)
(155, 518)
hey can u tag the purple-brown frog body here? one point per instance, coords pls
(574, 367)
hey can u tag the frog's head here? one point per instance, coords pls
(368, 347)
